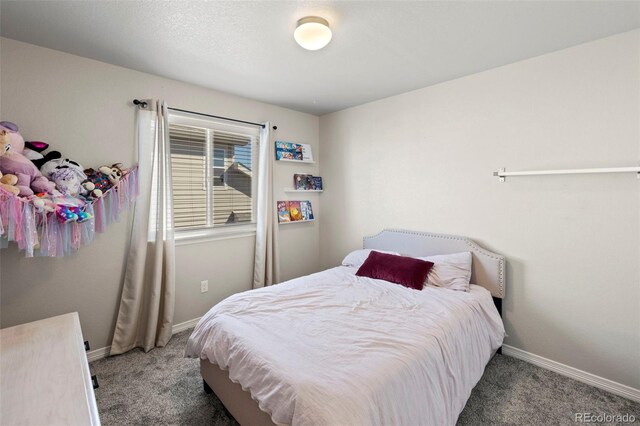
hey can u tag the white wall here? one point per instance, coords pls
(83, 109)
(423, 160)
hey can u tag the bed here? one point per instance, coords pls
(332, 348)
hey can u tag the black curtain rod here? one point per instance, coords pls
(143, 104)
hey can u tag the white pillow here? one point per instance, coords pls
(452, 271)
(357, 257)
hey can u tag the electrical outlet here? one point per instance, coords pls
(204, 286)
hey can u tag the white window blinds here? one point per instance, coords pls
(213, 170)
(188, 168)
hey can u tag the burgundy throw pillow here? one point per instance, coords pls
(407, 271)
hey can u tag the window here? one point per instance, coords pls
(213, 166)
(219, 155)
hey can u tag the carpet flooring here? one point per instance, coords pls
(163, 388)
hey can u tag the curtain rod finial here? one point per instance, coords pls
(141, 104)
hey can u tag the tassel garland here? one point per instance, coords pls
(40, 233)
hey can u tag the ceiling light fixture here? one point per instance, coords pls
(312, 33)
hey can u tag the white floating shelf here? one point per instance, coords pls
(296, 221)
(502, 173)
(286, 160)
(302, 190)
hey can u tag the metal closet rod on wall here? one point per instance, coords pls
(143, 104)
(502, 173)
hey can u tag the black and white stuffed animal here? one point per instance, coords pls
(70, 178)
(33, 151)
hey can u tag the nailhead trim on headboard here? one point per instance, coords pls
(472, 244)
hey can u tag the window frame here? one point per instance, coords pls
(224, 185)
(210, 232)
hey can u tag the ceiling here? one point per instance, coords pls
(378, 49)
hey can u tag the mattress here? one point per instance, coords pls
(333, 348)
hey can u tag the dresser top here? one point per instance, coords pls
(44, 374)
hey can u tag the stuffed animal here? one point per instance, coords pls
(67, 214)
(67, 180)
(52, 170)
(83, 216)
(67, 209)
(100, 180)
(15, 138)
(86, 188)
(43, 204)
(90, 191)
(50, 166)
(8, 183)
(13, 162)
(113, 173)
(33, 151)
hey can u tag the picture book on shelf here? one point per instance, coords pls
(306, 210)
(283, 212)
(316, 183)
(293, 151)
(288, 151)
(294, 210)
(302, 182)
(306, 152)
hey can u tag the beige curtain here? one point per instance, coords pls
(266, 270)
(145, 318)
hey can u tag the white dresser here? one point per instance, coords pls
(44, 374)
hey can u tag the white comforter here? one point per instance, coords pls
(336, 349)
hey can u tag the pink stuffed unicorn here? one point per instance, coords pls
(12, 161)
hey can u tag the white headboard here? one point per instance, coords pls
(488, 269)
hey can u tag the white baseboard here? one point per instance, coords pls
(177, 328)
(97, 354)
(574, 373)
